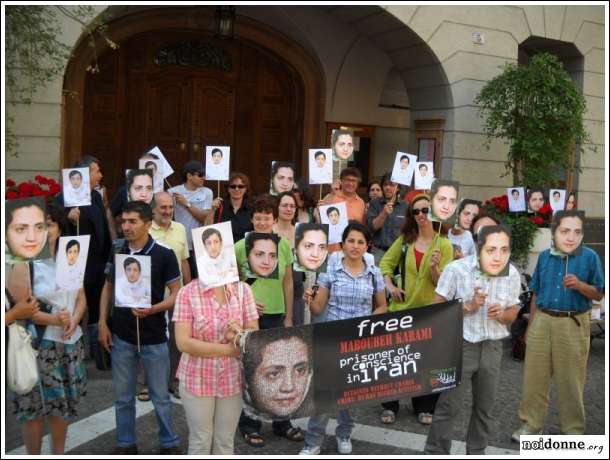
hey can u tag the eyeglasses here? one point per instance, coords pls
(416, 212)
(235, 186)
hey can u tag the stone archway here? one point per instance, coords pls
(272, 46)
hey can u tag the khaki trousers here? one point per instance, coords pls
(212, 422)
(556, 348)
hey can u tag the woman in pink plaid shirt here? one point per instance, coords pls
(209, 369)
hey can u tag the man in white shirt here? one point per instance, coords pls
(193, 204)
(490, 302)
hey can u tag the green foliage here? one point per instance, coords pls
(523, 233)
(538, 111)
(34, 52)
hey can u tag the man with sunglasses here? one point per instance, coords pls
(193, 204)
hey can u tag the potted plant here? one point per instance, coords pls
(538, 111)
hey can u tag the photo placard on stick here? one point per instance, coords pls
(166, 167)
(217, 160)
(424, 175)
(404, 167)
(156, 167)
(320, 166)
(516, 199)
(444, 195)
(71, 261)
(215, 255)
(567, 231)
(335, 216)
(262, 251)
(493, 249)
(76, 189)
(282, 177)
(557, 199)
(139, 185)
(132, 286)
(342, 144)
(26, 229)
(311, 247)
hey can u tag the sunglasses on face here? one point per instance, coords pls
(416, 212)
(235, 186)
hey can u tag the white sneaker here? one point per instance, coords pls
(344, 445)
(310, 450)
(524, 431)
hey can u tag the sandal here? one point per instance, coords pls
(387, 417)
(293, 433)
(143, 395)
(254, 439)
(424, 418)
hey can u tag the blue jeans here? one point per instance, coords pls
(155, 359)
(316, 428)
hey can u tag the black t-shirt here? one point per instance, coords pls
(240, 221)
(164, 270)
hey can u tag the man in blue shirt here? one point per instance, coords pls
(566, 279)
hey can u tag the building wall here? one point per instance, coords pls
(357, 72)
(468, 66)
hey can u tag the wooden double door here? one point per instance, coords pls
(182, 91)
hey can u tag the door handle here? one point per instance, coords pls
(183, 146)
(195, 147)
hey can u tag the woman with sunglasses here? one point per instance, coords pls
(235, 207)
(417, 258)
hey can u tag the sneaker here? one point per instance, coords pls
(310, 450)
(344, 445)
(524, 431)
(127, 450)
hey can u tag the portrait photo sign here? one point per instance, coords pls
(217, 160)
(215, 255)
(132, 286)
(71, 261)
(76, 189)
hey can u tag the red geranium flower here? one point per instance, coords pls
(11, 195)
(10, 182)
(537, 220)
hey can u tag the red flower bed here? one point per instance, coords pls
(43, 186)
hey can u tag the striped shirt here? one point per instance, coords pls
(459, 280)
(350, 297)
(212, 377)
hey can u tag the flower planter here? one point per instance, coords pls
(542, 241)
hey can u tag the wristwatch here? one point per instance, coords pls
(188, 204)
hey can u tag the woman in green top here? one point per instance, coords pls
(420, 254)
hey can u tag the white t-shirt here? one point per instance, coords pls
(464, 241)
(201, 198)
(72, 277)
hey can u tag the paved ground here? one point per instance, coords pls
(93, 432)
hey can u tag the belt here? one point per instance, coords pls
(565, 314)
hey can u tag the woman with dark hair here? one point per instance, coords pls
(215, 265)
(460, 234)
(311, 246)
(140, 185)
(282, 177)
(419, 256)
(571, 201)
(234, 207)
(287, 205)
(25, 227)
(60, 351)
(345, 292)
(306, 203)
(535, 200)
(286, 391)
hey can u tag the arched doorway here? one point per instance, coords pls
(173, 84)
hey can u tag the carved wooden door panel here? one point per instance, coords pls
(168, 114)
(212, 109)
